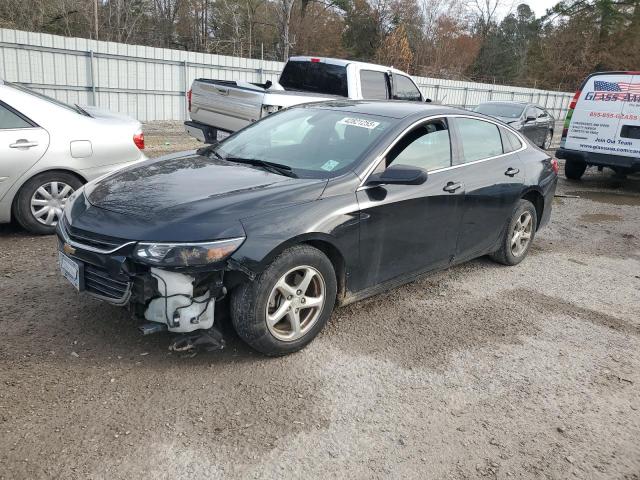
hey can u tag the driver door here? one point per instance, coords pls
(407, 229)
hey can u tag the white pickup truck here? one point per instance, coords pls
(219, 107)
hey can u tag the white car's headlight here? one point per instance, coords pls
(186, 254)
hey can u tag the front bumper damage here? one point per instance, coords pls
(180, 301)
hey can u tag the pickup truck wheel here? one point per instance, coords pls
(41, 200)
(518, 235)
(574, 170)
(288, 304)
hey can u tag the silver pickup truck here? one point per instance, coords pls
(219, 107)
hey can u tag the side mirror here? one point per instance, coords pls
(530, 119)
(399, 175)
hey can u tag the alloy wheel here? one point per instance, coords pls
(547, 141)
(295, 303)
(48, 201)
(521, 235)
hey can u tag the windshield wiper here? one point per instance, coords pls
(207, 149)
(273, 167)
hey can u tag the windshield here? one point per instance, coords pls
(507, 110)
(316, 77)
(313, 142)
(42, 96)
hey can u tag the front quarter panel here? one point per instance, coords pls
(332, 219)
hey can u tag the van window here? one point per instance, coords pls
(10, 119)
(479, 139)
(374, 85)
(317, 77)
(630, 131)
(405, 89)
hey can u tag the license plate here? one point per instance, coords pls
(70, 270)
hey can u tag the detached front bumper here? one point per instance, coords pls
(105, 268)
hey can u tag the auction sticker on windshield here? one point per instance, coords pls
(606, 118)
(359, 122)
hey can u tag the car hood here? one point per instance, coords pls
(186, 197)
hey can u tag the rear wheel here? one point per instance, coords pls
(39, 204)
(518, 235)
(574, 170)
(283, 309)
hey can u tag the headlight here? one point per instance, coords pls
(186, 254)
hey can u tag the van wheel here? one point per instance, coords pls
(288, 304)
(41, 200)
(574, 170)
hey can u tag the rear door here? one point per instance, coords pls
(596, 121)
(493, 183)
(629, 125)
(22, 144)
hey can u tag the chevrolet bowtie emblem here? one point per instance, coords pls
(68, 249)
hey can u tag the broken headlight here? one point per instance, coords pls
(186, 254)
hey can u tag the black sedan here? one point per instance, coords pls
(532, 121)
(309, 208)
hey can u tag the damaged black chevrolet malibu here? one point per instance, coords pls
(309, 208)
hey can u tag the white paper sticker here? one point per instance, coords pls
(359, 122)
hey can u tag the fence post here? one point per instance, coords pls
(92, 76)
(185, 69)
(490, 95)
(437, 92)
(466, 95)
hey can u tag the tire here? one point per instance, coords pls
(574, 170)
(507, 254)
(250, 302)
(24, 211)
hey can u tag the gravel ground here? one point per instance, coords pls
(478, 371)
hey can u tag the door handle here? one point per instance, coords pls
(452, 187)
(511, 172)
(22, 143)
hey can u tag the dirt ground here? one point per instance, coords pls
(478, 371)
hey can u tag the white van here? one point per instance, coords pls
(602, 127)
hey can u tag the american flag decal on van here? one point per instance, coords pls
(622, 87)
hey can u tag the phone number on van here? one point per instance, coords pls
(618, 116)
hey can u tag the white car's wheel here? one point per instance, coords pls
(39, 204)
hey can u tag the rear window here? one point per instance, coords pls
(507, 110)
(316, 77)
(374, 85)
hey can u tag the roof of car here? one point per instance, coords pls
(385, 108)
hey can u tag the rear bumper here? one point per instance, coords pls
(600, 159)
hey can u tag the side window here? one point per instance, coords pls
(541, 113)
(9, 119)
(405, 89)
(478, 139)
(374, 85)
(510, 141)
(427, 146)
(531, 112)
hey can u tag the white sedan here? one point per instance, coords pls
(48, 149)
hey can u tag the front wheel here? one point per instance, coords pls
(546, 143)
(288, 304)
(518, 235)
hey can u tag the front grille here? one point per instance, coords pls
(91, 240)
(99, 282)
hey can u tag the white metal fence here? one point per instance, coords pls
(150, 83)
